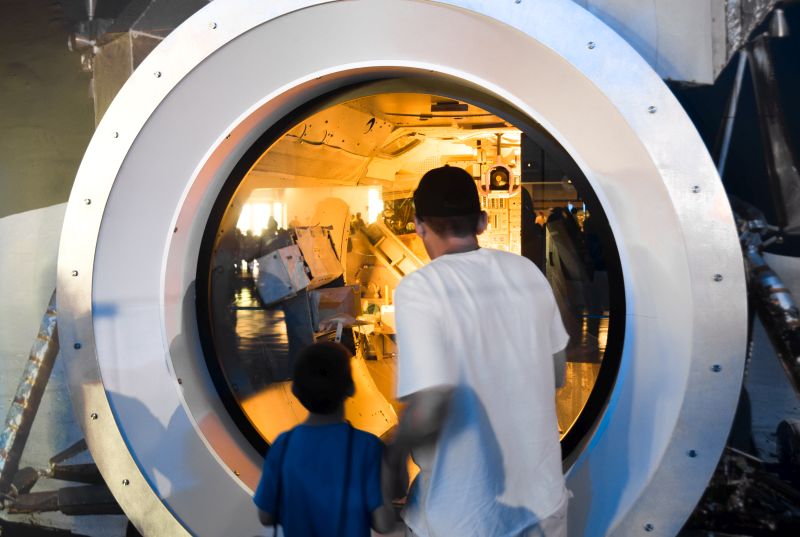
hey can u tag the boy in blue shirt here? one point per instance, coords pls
(323, 477)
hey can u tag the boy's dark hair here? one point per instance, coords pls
(322, 377)
(447, 201)
(453, 226)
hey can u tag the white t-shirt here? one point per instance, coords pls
(487, 323)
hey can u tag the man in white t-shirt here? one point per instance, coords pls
(480, 342)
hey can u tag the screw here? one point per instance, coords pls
(652, 110)
(692, 453)
(157, 74)
(76, 346)
(87, 201)
(116, 134)
(591, 45)
(175, 230)
(717, 277)
(180, 381)
(237, 473)
(74, 273)
(649, 527)
(93, 415)
(716, 368)
(213, 25)
(126, 482)
(696, 189)
(517, 1)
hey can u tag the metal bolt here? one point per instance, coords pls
(157, 74)
(74, 273)
(76, 346)
(517, 1)
(717, 277)
(692, 453)
(649, 527)
(180, 381)
(116, 134)
(93, 415)
(652, 109)
(87, 201)
(237, 473)
(126, 482)
(175, 230)
(696, 189)
(716, 368)
(591, 45)
(213, 25)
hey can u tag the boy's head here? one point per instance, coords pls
(446, 201)
(322, 377)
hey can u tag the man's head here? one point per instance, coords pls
(322, 377)
(448, 207)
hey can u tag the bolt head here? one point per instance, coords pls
(692, 453)
(116, 134)
(237, 473)
(212, 25)
(696, 189)
(74, 273)
(716, 368)
(652, 109)
(76, 346)
(180, 381)
(718, 277)
(591, 45)
(157, 74)
(126, 482)
(649, 527)
(93, 415)
(87, 201)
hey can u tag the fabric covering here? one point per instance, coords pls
(313, 479)
(485, 322)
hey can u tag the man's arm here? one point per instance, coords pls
(420, 424)
(560, 367)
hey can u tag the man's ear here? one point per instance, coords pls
(419, 227)
(483, 222)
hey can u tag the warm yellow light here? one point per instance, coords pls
(374, 205)
(244, 218)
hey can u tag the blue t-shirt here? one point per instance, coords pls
(313, 480)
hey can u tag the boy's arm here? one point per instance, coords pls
(265, 518)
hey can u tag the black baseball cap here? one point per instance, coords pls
(446, 191)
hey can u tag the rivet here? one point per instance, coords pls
(591, 45)
(157, 74)
(212, 25)
(696, 189)
(517, 1)
(237, 473)
(175, 230)
(692, 453)
(649, 527)
(116, 134)
(717, 277)
(180, 381)
(74, 273)
(87, 201)
(652, 109)
(93, 415)
(716, 368)
(76, 346)
(126, 482)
